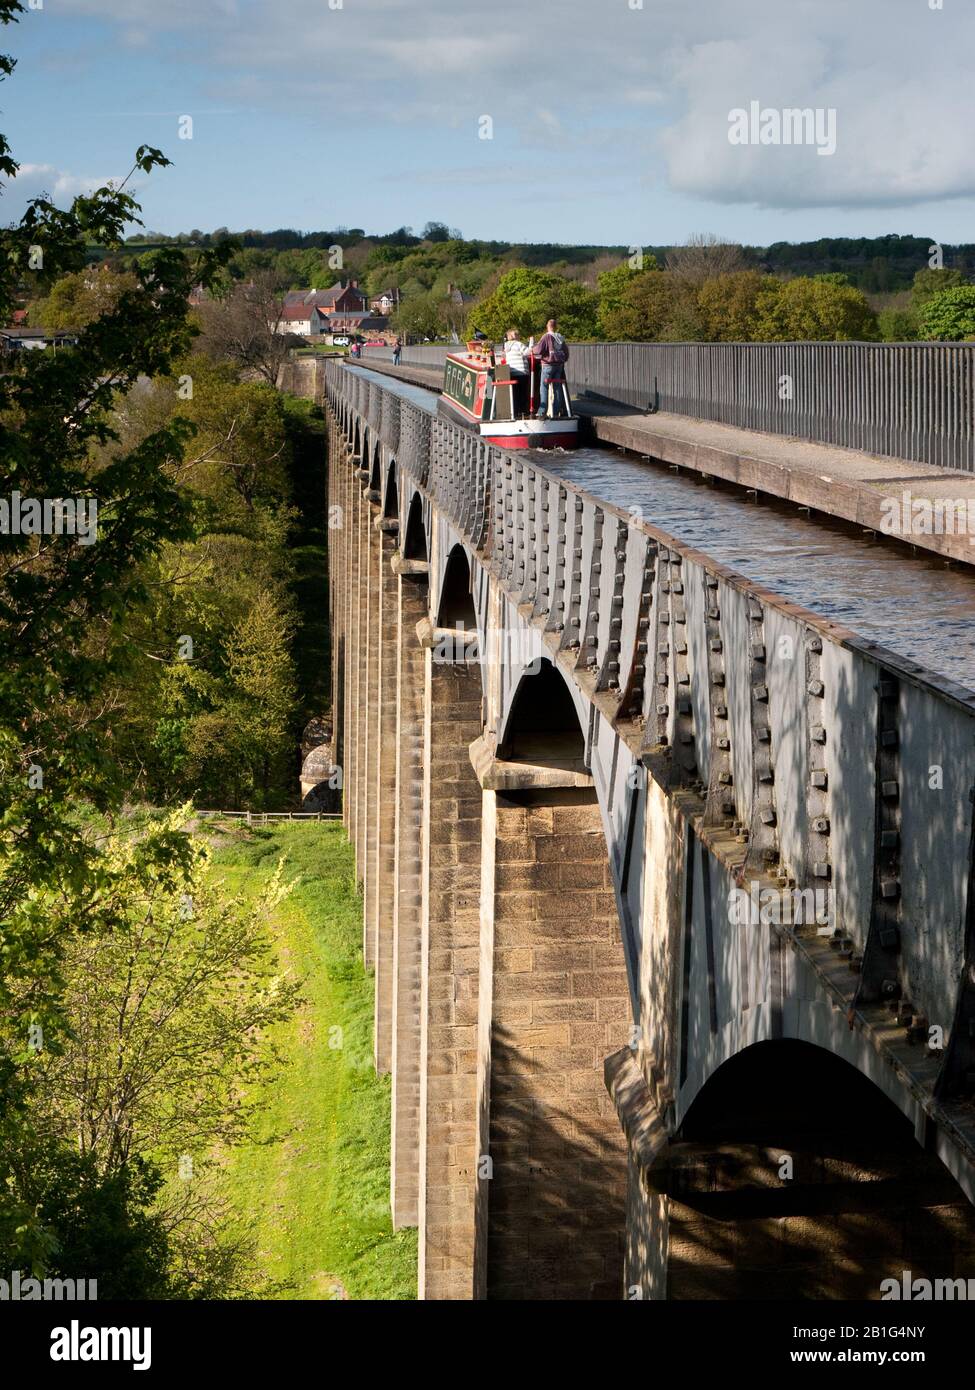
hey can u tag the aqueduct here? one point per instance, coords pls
(577, 757)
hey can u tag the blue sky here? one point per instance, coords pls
(609, 117)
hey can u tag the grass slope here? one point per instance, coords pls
(321, 1195)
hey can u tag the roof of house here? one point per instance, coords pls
(296, 313)
(323, 299)
(23, 332)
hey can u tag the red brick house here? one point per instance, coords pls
(341, 298)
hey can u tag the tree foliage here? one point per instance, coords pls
(526, 299)
(949, 317)
(71, 619)
(816, 310)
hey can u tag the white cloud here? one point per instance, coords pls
(46, 181)
(903, 130)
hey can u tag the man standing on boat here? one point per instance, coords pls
(516, 357)
(553, 353)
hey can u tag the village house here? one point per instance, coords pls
(341, 298)
(457, 296)
(386, 302)
(23, 338)
(342, 309)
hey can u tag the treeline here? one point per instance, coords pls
(706, 290)
(708, 297)
(883, 264)
(876, 265)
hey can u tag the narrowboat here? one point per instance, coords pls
(480, 392)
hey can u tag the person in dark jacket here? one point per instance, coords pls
(553, 352)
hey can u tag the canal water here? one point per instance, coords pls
(908, 601)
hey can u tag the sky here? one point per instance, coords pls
(578, 121)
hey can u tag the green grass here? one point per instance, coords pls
(321, 1194)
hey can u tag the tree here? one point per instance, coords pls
(242, 327)
(64, 605)
(526, 299)
(897, 325)
(704, 256)
(950, 316)
(932, 281)
(240, 447)
(169, 1013)
(78, 299)
(421, 315)
(733, 305)
(612, 286)
(64, 1219)
(436, 231)
(816, 310)
(646, 307)
(172, 1016)
(262, 673)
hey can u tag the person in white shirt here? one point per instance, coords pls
(516, 356)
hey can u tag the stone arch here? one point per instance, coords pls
(793, 1176)
(415, 546)
(543, 725)
(375, 471)
(456, 605)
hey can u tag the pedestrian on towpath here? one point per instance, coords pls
(397, 351)
(553, 352)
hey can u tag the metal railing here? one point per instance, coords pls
(267, 817)
(913, 401)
